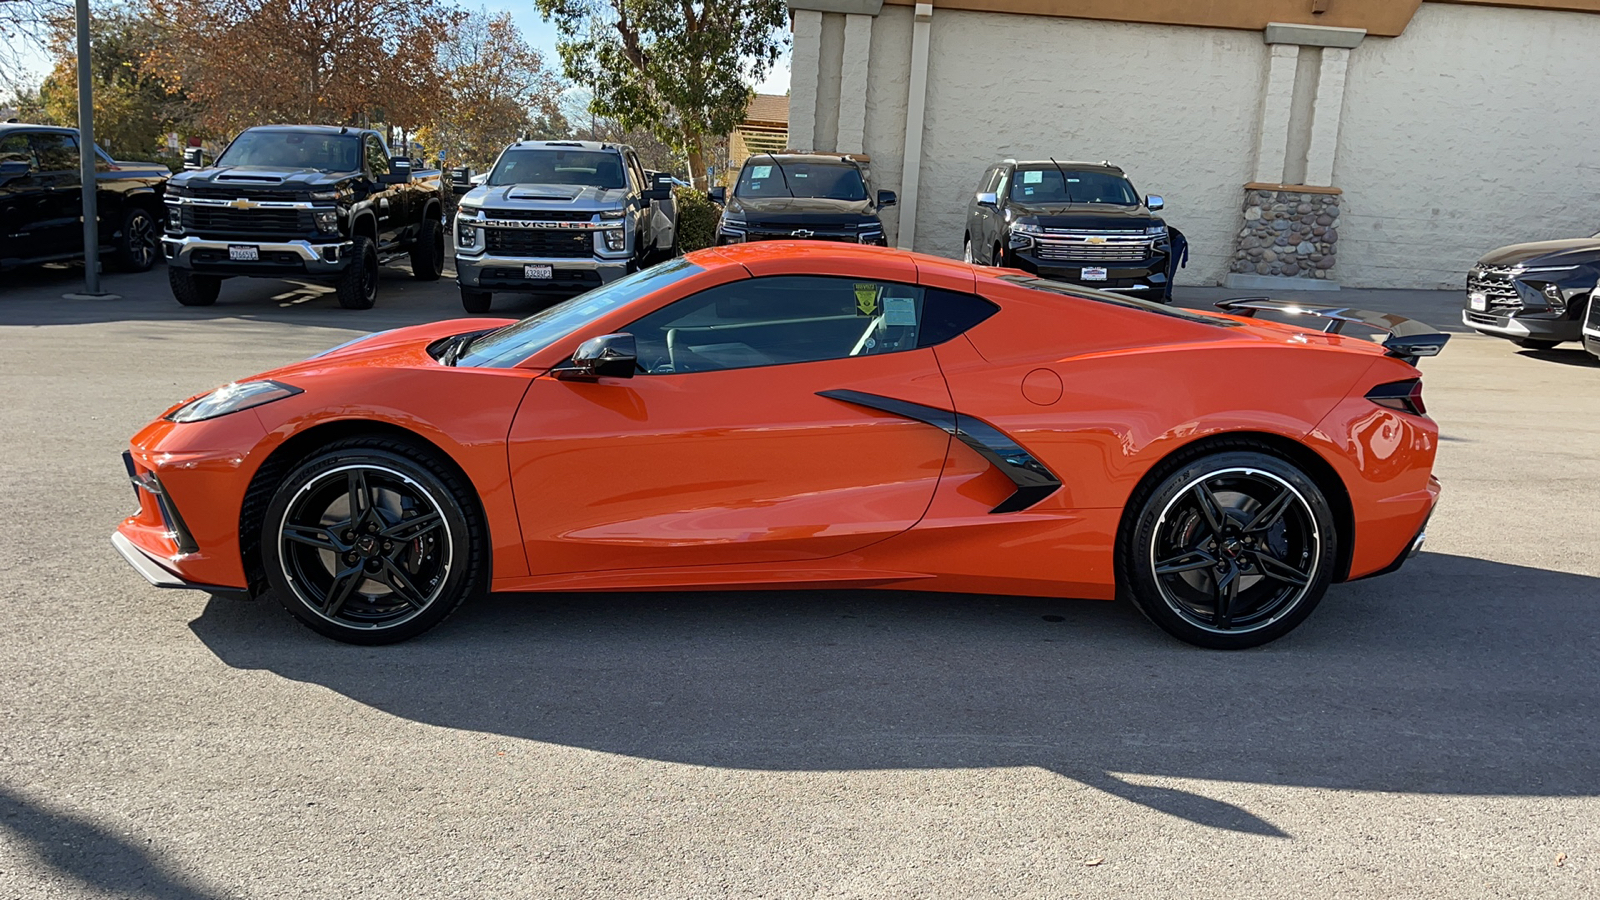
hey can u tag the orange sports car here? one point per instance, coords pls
(802, 415)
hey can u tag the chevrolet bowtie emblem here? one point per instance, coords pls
(242, 203)
(1097, 240)
(801, 233)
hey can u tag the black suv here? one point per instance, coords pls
(1533, 294)
(302, 201)
(41, 200)
(1070, 221)
(804, 196)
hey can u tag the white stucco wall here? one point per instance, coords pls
(1477, 127)
(888, 79)
(1176, 107)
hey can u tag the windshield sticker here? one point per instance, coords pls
(1034, 177)
(1028, 191)
(760, 172)
(1073, 180)
(899, 311)
(866, 299)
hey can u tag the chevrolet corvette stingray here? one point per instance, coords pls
(808, 415)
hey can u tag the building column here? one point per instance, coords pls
(1276, 101)
(853, 83)
(916, 108)
(1325, 113)
(804, 72)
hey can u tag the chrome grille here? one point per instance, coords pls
(225, 221)
(850, 236)
(540, 215)
(1070, 245)
(235, 193)
(1494, 282)
(539, 244)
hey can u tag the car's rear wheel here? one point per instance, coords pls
(427, 254)
(476, 302)
(1231, 550)
(141, 241)
(191, 289)
(357, 287)
(373, 541)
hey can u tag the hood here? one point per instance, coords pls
(801, 210)
(1573, 251)
(547, 197)
(127, 168)
(1086, 215)
(396, 347)
(259, 178)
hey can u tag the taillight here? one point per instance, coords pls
(1405, 396)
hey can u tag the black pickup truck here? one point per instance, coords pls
(41, 200)
(302, 201)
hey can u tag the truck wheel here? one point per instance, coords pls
(427, 254)
(357, 287)
(191, 289)
(137, 250)
(476, 302)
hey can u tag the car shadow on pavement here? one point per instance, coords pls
(1575, 356)
(88, 853)
(1453, 676)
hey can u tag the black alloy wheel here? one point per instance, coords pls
(1232, 551)
(372, 542)
(140, 244)
(357, 287)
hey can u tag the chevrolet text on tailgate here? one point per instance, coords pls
(302, 201)
(558, 218)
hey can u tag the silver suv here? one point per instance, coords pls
(558, 218)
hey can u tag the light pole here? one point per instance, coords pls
(86, 173)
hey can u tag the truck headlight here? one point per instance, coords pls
(616, 239)
(1156, 231)
(611, 214)
(466, 233)
(174, 219)
(327, 220)
(730, 230)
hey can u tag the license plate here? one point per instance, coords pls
(1478, 301)
(244, 252)
(1094, 274)
(538, 273)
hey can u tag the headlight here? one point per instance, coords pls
(339, 194)
(609, 214)
(327, 220)
(1552, 293)
(1156, 231)
(231, 398)
(731, 230)
(174, 219)
(616, 239)
(1026, 227)
(466, 231)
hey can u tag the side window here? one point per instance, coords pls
(946, 314)
(377, 158)
(14, 147)
(1000, 180)
(778, 321)
(987, 184)
(56, 152)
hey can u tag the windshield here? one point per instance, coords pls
(294, 150)
(832, 181)
(593, 168)
(1034, 185)
(514, 343)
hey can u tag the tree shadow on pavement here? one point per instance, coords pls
(82, 851)
(1454, 676)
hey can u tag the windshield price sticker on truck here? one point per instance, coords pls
(1035, 176)
(760, 171)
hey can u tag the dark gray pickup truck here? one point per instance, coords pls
(302, 201)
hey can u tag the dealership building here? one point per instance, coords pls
(1297, 143)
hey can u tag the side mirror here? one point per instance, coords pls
(399, 171)
(461, 179)
(194, 158)
(13, 168)
(887, 198)
(606, 356)
(718, 195)
(1154, 202)
(660, 186)
(989, 200)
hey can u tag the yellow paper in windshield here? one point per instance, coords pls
(866, 299)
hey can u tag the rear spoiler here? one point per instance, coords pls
(1408, 339)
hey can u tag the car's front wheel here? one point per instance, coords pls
(427, 254)
(191, 289)
(1232, 550)
(357, 287)
(373, 541)
(476, 302)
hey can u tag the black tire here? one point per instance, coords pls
(191, 289)
(140, 245)
(381, 531)
(427, 254)
(1536, 344)
(966, 250)
(357, 287)
(999, 256)
(1241, 574)
(476, 302)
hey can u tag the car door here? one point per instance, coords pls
(59, 228)
(388, 200)
(637, 184)
(22, 199)
(997, 219)
(724, 451)
(978, 214)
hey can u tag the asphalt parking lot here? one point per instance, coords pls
(1431, 733)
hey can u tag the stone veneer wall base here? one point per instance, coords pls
(1241, 282)
(1290, 235)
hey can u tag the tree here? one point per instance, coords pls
(25, 25)
(679, 68)
(335, 62)
(496, 90)
(134, 109)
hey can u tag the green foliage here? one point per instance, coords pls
(697, 219)
(680, 68)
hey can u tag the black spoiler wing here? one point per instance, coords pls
(1408, 339)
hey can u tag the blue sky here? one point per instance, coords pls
(539, 33)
